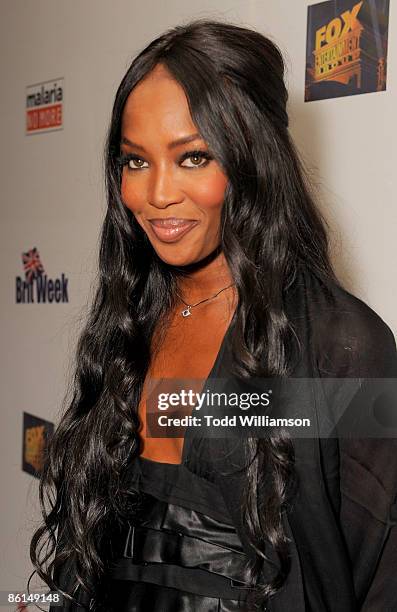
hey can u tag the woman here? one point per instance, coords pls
(214, 264)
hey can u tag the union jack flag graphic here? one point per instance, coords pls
(32, 264)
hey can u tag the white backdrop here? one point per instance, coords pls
(52, 192)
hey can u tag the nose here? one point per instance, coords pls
(163, 188)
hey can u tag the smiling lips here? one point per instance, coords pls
(171, 229)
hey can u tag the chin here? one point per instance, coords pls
(181, 260)
(177, 259)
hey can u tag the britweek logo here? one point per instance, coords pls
(36, 287)
(44, 106)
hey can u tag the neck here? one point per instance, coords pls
(205, 278)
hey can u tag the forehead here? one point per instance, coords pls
(157, 105)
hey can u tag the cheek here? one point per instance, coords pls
(210, 193)
(130, 197)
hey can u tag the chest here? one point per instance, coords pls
(188, 346)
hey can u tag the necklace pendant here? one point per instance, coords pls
(186, 312)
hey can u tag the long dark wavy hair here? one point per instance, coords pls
(233, 78)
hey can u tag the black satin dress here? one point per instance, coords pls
(181, 552)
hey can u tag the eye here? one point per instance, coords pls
(135, 163)
(196, 156)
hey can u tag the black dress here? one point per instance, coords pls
(182, 552)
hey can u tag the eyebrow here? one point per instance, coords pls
(171, 145)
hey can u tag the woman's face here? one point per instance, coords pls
(174, 189)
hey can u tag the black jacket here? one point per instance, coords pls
(342, 521)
